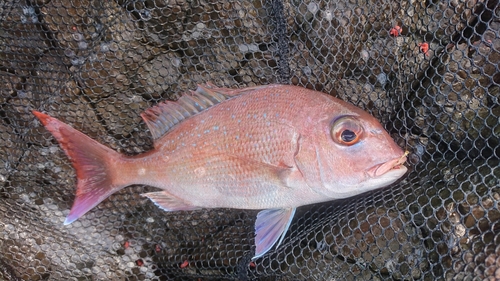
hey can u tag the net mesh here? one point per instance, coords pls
(428, 70)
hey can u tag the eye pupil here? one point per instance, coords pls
(346, 131)
(348, 136)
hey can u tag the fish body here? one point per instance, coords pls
(273, 147)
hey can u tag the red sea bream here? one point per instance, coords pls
(272, 147)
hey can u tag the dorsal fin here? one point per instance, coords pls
(165, 115)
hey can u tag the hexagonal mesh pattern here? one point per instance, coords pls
(428, 70)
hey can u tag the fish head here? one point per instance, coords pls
(349, 152)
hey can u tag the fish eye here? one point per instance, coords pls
(346, 131)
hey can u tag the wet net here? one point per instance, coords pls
(428, 70)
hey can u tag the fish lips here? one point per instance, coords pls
(391, 168)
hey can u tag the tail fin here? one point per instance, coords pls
(91, 162)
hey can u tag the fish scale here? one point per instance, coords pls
(272, 147)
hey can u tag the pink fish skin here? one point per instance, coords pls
(273, 147)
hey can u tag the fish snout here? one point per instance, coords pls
(383, 168)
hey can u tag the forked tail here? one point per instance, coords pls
(92, 162)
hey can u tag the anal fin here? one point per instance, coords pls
(270, 227)
(168, 202)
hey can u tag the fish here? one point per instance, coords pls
(271, 148)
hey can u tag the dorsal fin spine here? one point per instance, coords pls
(186, 103)
(174, 108)
(166, 119)
(210, 95)
(197, 102)
(210, 90)
(193, 102)
(166, 115)
(204, 101)
(180, 111)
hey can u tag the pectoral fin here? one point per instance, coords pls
(271, 225)
(168, 202)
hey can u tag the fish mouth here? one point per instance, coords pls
(391, 165)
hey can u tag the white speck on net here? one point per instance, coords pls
(78, 36)
(53, 149)
(244, 48)
(365, 55)
(82, 45)
(328, 15)
(312, 7)
(382, 78)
